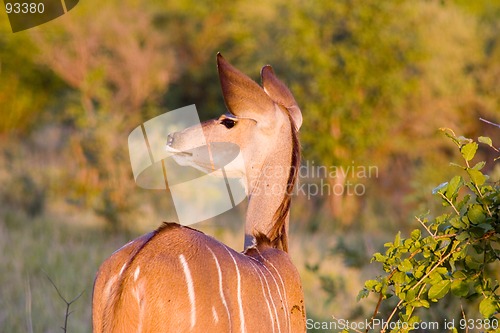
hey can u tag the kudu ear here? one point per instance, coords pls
(280, 94)
(243, 96)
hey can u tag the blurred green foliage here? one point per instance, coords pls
(374, 79)
(371, 77)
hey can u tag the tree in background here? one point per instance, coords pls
(381, 75)
(372, 77)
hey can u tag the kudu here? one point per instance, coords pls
(177, 279)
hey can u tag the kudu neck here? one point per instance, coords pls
(268, 208)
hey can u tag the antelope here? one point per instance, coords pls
(177, 279)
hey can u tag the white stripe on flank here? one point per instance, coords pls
(216, 316)
(283, 298)
(284, 295)
(123, 268)
(190, 286)
(138, 291)
(221, 291)
(136, 273)
(259, 272)
(109, 286)
(240, 301)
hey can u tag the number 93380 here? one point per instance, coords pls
(24, 8)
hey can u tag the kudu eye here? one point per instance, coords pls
(228, 122)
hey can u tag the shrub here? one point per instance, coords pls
(450, 255)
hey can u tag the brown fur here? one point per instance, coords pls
(278, 235)
(160, 307)
(115, 299)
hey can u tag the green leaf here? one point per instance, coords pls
(463, 236)
(477, 232)
(463, 203)
(479, 165)
(476, 214)
(435, 278)
(419, 271)
(469, 150)
(363, 293)
(379, 257)
(399, 277)
(411, 295)
(488, 307)
(453, 186)
(420, 303)
(478, 249)
(439, 290)
(405, 266)
(459, 275)
(397, 239)
(416, 234)
(370, 284)
(485, 140)
(413, 320)
(457, 222)
(485, 226)
(460, 288)
(441, 270)
(476, 176)
(472, 262)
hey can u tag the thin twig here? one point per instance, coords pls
(384, 328)
(450, 203)
(446, 236)
(438, 264)
(465, 318)
(29, 318)
(380, 298)
(68, 303)
(489, 122)
(423, 224)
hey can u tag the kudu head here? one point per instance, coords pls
(262, 122)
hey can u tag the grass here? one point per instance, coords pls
(34, 250)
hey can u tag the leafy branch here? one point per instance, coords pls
(455, 255)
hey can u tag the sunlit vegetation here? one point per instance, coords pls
(375, 81)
